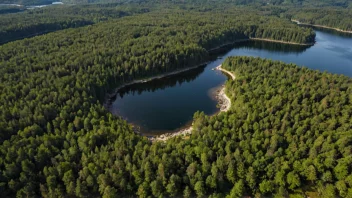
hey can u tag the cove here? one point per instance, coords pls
(168, 104)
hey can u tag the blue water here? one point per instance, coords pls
(168, 104)
(330, 53)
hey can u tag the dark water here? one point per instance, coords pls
(331, 53)
(168, 104)
(33, 6)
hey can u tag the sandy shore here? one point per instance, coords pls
(223, 100)
(322, 26)
(226, 71)
(166, 136)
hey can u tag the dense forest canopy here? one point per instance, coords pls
(39, 21)
(53, 18)
(288, 130)
(330, 17)
(339, 3)
(304, 3)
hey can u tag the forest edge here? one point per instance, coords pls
(223, 100)
(321, 26)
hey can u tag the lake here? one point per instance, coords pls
(32, 6)
(168, 104)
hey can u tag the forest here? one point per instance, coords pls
(335, 18)
(319, 3)
(288, 132)
(40, 21)
(19, 22)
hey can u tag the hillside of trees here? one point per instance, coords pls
(34, 22)
(305, 3)
(40, 21)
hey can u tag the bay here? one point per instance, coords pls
(168, 104)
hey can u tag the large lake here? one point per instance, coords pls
(168, 104)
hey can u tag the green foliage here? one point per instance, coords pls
(319, 3)
(297, 97)
(331, 17)
(35, 22)
(288, 127)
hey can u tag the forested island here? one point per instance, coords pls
(288, 132)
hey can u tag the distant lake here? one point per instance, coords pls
(32, 6)
(5, 4)
(168, 104)
(44, 5)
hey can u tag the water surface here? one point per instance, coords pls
(168, 104)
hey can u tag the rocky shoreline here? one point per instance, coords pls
(223, 101)
(166, 136)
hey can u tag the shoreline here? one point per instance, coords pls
(183, 132)
(108, 97)
(230, 43)
(322, 26)
(279, 41)
(226, 71)
(223, 100)
(107, 102)
(260, 39)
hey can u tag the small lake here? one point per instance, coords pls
(32, 6)
(168, 104)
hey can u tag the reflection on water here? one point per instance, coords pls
(164, 105)
(331, 31)
(274, 47)
(4, 4)
(161, 84)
